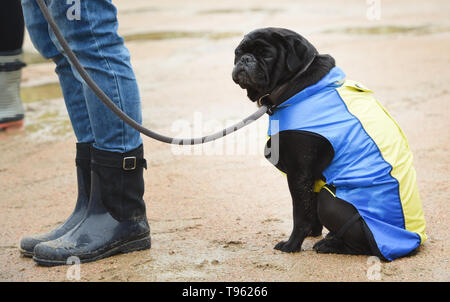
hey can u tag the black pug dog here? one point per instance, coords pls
(273, 65)
(279, 60)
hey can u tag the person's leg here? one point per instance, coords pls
(75, 101)
(348, 232)
(115, 221)
(76, 107)
(99, 48)
(72, 89)
(11, 35)
(11, 27)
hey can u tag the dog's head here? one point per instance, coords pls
(269, 57)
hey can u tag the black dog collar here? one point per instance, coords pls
(270, 99)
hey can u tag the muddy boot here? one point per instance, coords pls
(11, 108)
(115, 221)
(83, 163)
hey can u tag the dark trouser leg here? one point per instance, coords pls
(348, 231)
(11, 37)
(11, 27)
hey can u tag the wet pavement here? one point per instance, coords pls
(216, 211)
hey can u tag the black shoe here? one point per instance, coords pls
(83, 163)
(115, 221)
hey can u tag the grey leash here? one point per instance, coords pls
(122, 115)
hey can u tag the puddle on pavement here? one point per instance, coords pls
(46, 116)
(139, 10)
(31, 58)
(168, 35)
(204, 12)
(50, 124)
(240, 11)
(390, 29)
(39, 93)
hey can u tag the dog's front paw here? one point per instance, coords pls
(329, 245)
(289, 246)
(316, 231)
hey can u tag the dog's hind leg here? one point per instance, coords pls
(348, 232)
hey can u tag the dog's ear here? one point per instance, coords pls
(296, 54)
(298, 50)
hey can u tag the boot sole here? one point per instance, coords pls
(13, 124)
(132, 246)
(26, 253)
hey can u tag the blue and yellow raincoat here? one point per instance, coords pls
(372, 166)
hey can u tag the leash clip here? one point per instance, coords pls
(270, 108)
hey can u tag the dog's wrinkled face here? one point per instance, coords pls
(269, 57)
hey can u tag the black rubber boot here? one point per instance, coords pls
(115, 221)
(83, 164)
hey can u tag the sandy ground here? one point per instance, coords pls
(217, 211)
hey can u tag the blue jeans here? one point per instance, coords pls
(96, 43)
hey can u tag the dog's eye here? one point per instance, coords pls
(263, 53)
(266, 55)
